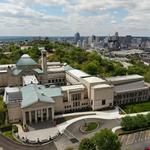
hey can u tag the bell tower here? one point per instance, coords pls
(44, 64)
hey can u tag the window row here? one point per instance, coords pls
(56, 80)
(76, 96)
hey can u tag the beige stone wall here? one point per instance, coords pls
(97, 95)
(65, 103)
(59, 106)
(3, 79)
(38, 105)
(14, 113)
(14, 80)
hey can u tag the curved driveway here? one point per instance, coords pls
(7, 144)
(74, 128)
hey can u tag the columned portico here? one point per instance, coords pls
(40, 115)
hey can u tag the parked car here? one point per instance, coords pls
(147, 148)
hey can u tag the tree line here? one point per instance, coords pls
(140, 121)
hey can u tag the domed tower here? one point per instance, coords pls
(44, 64)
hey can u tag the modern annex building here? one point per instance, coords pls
(35, 92)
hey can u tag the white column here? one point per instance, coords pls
(47, 114)
(52, 111)
(41, 114)
(30, 117)
(24, 117)
(36, 116)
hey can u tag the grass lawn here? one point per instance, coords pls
(9, 135)
(135, 108)
(90, 126)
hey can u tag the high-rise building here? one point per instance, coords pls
(91, 39)
(76, 37)
(113, 42)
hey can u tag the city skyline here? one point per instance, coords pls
(65, 17)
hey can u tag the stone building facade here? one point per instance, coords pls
(36, 92)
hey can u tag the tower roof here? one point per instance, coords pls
(26, 60)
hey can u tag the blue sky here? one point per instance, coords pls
(65, 17)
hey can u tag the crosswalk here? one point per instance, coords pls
(135, 137)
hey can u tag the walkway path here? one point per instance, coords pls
(42, 134)
(111, 114)
(8, 144)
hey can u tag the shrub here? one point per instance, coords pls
(129, 123)
(87, 144)
(7, 127)
(15, 128)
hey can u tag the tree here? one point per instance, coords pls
(2, 111)
(87, 144)
(106, 139)
(127, 123)
(91, 68)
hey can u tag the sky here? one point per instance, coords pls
(66, 17)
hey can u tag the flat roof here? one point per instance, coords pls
(101, 86)
(12, 89)
(55, 68)
(94, 80)
(78, 73)
(53, 63)
(30, 79)
(128, 77)
(130, 86)
(3, 68)
(72, 87)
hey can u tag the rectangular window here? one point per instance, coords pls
(103, 102)
(76, 96)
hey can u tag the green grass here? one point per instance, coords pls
(9, 135)
(135, 108)
(90, 126)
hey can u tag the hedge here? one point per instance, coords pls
(129, 123)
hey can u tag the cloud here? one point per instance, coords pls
(64, 17)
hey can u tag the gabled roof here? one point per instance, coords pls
(33, 93)
(26, 60)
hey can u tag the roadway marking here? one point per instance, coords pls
(128, 139)
(131, 138)
(136, 137)
(140, 135)
(147, 136)
(1, 148)
(122, 138)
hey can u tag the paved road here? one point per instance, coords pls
(6, 144)
(136, 141)
(74, 128)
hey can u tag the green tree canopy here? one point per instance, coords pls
(87, 144)
(2, 111)
(106, 140)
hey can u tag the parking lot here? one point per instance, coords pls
(135, 137)
(141, 138)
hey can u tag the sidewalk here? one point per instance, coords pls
(87, 113)
(111, 114)
(42, 134)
